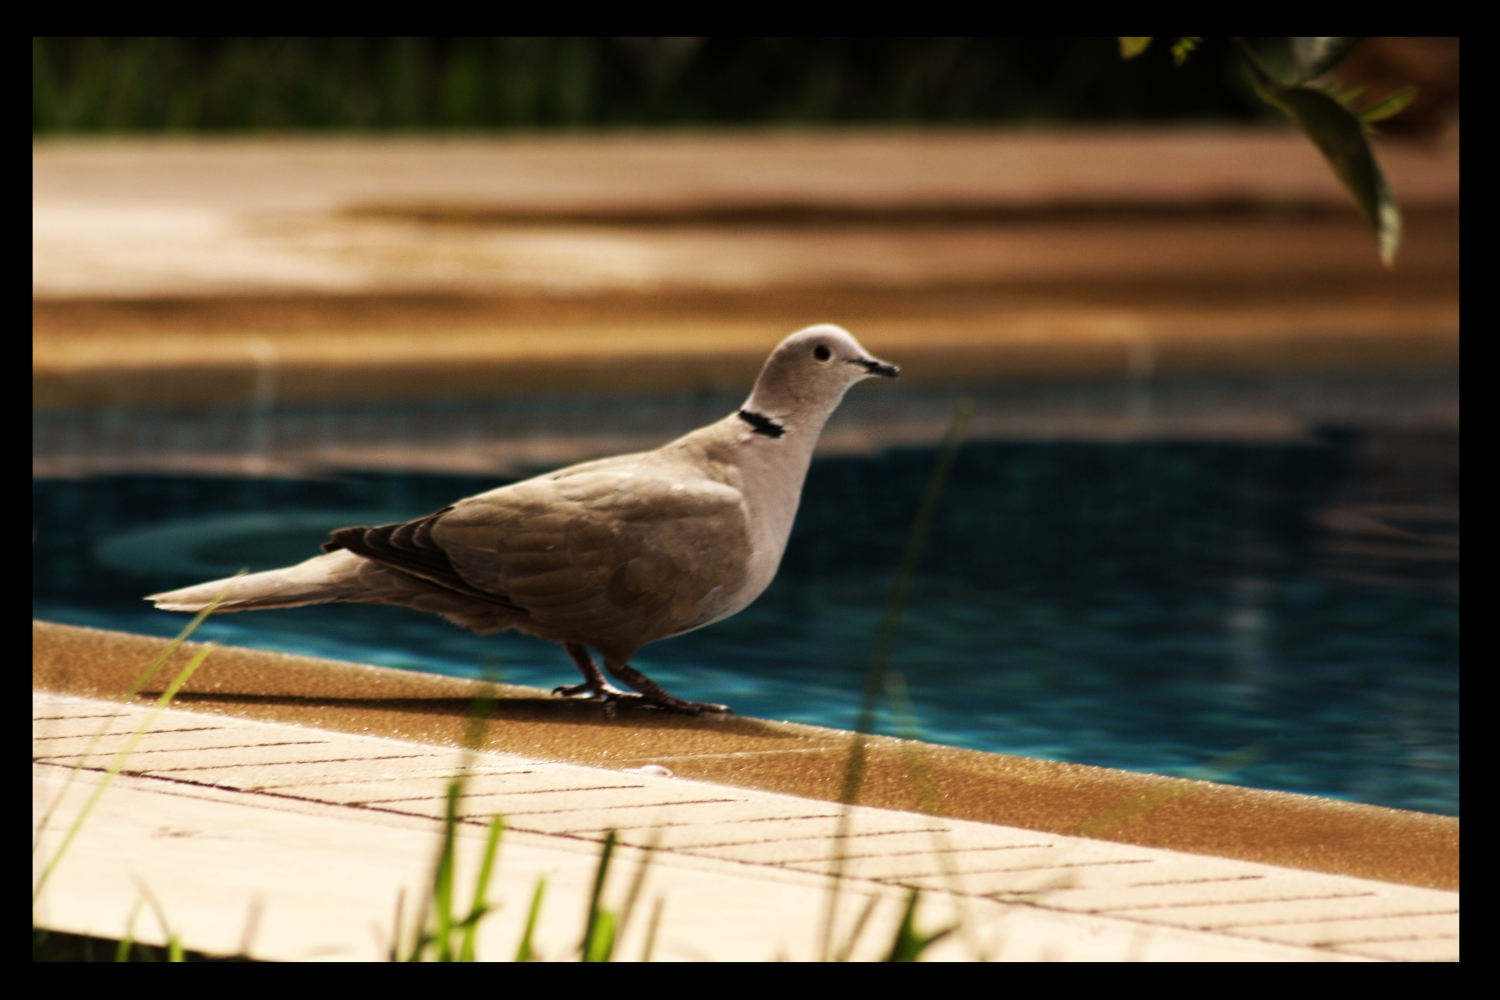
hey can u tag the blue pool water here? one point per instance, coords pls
(1282, 614)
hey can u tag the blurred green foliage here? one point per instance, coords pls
(265, 84)
(1296, 74)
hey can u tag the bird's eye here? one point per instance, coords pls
(822, 353)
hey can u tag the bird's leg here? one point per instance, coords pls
(653, 694)
(593, 680)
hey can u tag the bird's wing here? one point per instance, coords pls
(629, 549)
(408, 547)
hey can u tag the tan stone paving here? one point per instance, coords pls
(319, 831)
(807, 762)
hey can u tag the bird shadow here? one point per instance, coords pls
(543, 709)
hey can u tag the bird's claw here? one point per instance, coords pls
(602, 693)
(692, 707)
(612, 699)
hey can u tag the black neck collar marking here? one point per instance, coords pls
(762, 424)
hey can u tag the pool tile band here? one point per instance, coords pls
(1277, 828)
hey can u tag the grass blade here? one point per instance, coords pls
(857, 930)
(602, 940)
(174, 943)
(118, 763)
(396, 926)
(909, 944)
(599, 929)
(252, 927)
(639, 881)
(122, 950)
(525, 951)
(480, 906)
(929, 801)
(652, 928)
(885, 640)
(140, 682)
(890, 624)
(439, 901)
(442, 877)
(134, 689)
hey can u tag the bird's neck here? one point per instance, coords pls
(777, 413)
(774, 451)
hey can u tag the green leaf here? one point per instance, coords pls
(1183, 47)
(1389, 107)
(1314, 56)
(1340, 137)
(1132, 47)
(1347, 96)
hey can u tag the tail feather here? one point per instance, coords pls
(342, 575)
(323, 579)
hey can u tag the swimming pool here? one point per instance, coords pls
(1277, 610)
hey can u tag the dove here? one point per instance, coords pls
(608, 555)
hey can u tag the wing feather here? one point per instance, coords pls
(408, 547)
(617, 550)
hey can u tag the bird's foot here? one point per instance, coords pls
(683, 707)
(594, 692)
(654, 695)
(676, 705)
(613, 699)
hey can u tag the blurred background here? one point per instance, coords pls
(1205, 523)
(487, 84)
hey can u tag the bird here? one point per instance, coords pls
(608, 555)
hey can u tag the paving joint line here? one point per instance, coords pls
(1237, 902)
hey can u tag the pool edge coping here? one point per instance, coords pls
(1201, 817)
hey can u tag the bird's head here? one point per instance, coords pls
(810, 371)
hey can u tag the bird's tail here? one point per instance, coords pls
(323, 579)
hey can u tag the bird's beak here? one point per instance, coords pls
(882, 368)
